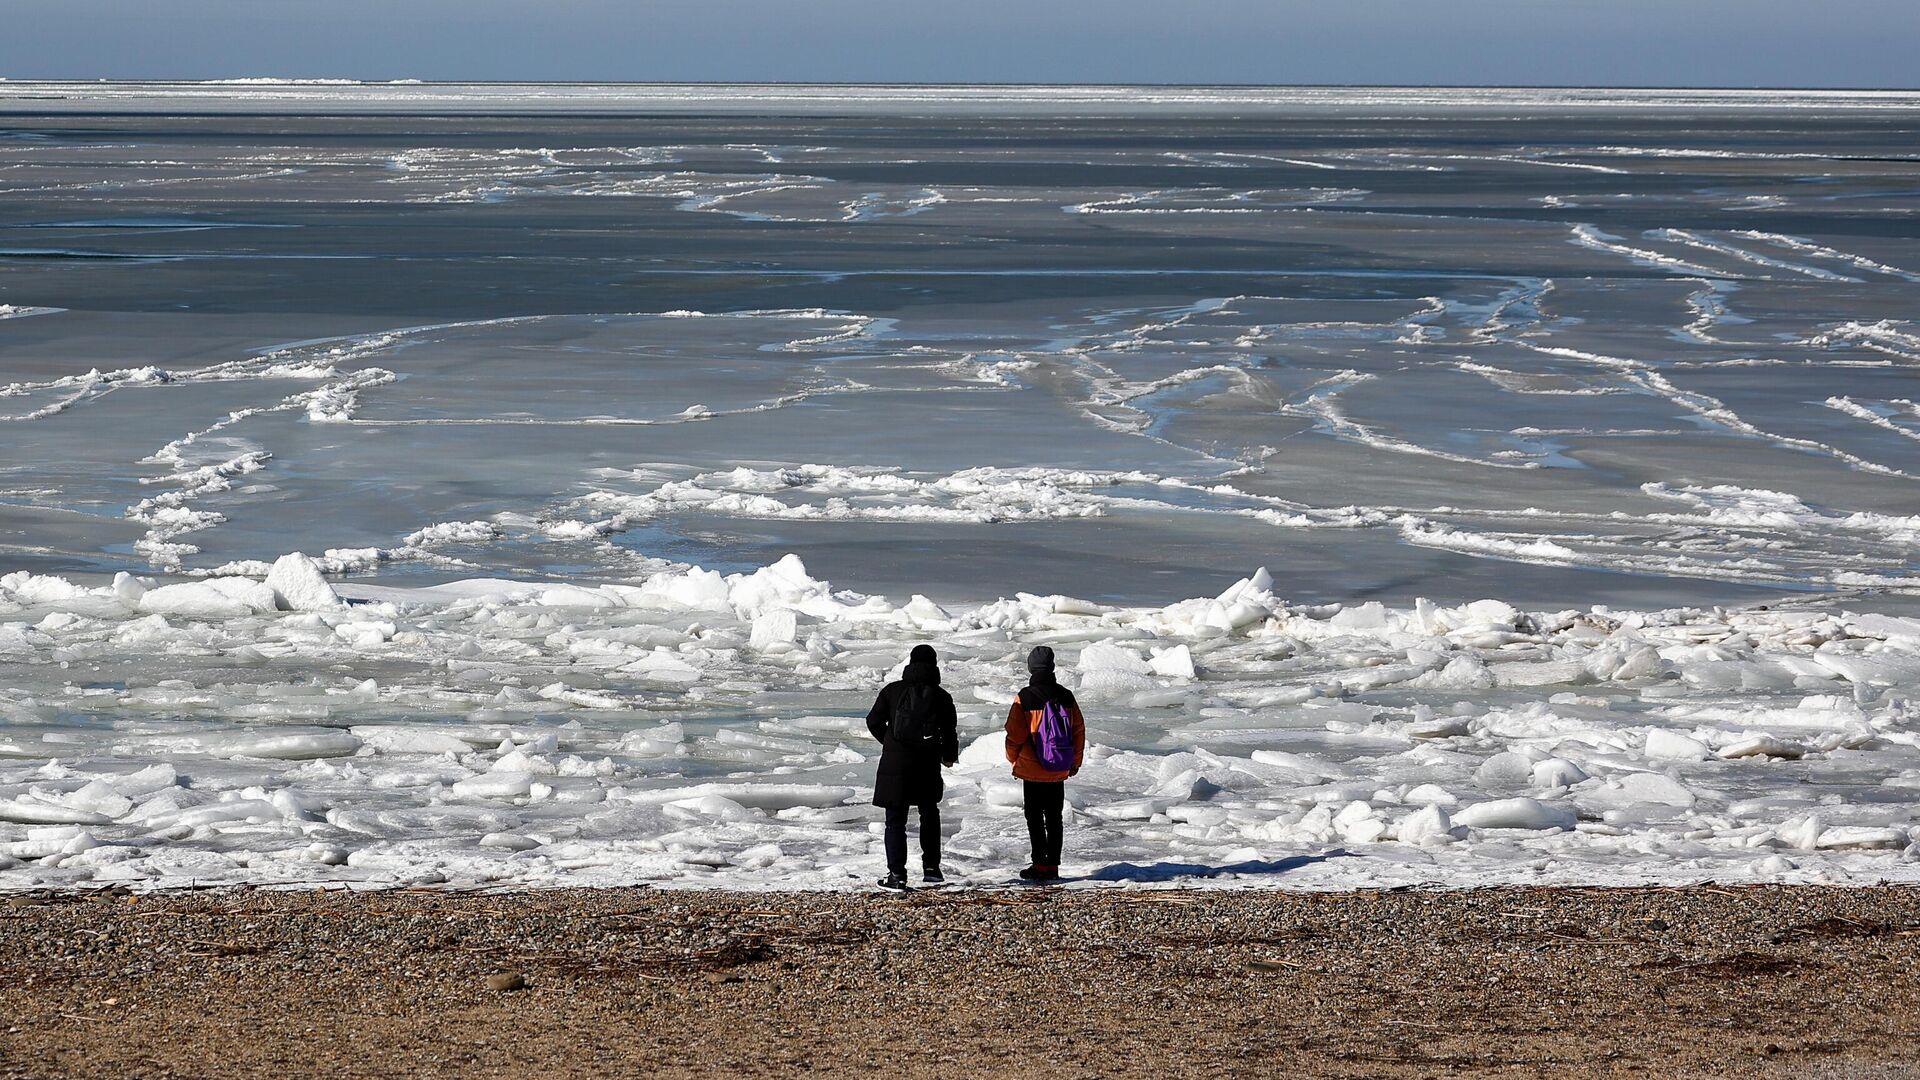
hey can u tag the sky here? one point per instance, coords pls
(1794, 43)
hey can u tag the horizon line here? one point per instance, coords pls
(343, 80)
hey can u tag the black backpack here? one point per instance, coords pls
(913, 716)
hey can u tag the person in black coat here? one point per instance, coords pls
(910, 761)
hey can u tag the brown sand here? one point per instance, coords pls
(1766, 981)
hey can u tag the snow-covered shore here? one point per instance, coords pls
(699, 729)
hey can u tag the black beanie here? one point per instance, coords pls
(1040, 659)
(922, 654)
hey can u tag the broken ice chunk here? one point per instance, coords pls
(1519, 813)
(1763, 746)
(1673, 746)
(1428, 825)
(298, 585)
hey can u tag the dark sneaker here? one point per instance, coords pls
(896, 882)
(1032, 873)
(932, 876)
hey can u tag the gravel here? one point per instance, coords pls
(1700, 981)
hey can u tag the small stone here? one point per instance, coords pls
(506, 981)
(718, 977)
(1656, 925)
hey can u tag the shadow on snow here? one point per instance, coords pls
(1170, 871)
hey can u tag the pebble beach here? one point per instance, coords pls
(1699, 981)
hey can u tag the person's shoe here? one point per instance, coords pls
(1032, 873)
(932, 876)
(1042, 873)
(895, 882)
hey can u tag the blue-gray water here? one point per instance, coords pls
(1567, 348)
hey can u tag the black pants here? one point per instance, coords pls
(1044, 803)
(897, 838)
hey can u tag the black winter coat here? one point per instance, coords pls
(909, 774)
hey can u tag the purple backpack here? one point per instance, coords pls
(1053, 739)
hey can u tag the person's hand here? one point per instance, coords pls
(1073, 772)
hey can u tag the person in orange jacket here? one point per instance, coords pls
(1045, 788)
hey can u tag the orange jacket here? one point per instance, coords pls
(1022, 722)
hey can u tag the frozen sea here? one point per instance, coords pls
(531, 485)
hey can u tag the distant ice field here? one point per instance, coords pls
(531, 485)
(349, 96)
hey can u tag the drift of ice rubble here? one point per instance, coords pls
(691, 727)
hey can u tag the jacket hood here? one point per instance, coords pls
(921, 674)
(1043, 687)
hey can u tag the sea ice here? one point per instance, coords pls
(298, 585)
(684, 725)
(1521, 813)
